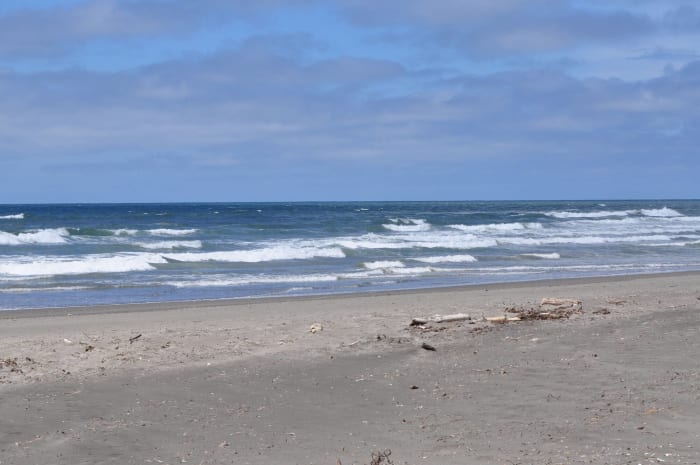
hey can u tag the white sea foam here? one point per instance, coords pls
(125, 232)
(18, 290)
(54, 266)
(598, 214)
(170, 245)
(171, 232)
(447, 259)
(378, 265)
(258, 255)
(496, 227)
(42, 236)
(664, 212)
(407, 225)
(431, 240)
(581, 240)
(251, 279)
(18, 216)
(546, 256)
(416, 270)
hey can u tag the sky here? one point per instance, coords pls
(296, 100)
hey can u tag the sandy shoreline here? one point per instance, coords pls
(248, 382)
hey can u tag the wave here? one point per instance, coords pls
(43, 236)
(18, 290)
(383, 264)
(251, 279)
(407, 225)
(415, 241)
(496, 227)
(18, 216)
(54, 266)
(171, 232)
(447, 259)
(580, 240)
(664, 212)
(125, 232)
(258, 255)
(597, 214)
(389, 270)
(170, 245)
(546, 256)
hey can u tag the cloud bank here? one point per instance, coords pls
(457, 100)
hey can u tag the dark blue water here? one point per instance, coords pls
(66, 255)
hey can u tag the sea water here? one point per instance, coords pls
(77, 255)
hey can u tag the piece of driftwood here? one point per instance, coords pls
(560, 303)
(135, 338)
(315, 328)
(440, 319)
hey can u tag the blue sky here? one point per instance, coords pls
(241, 100)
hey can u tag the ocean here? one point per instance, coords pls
(82, 255)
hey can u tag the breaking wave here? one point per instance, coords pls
(43, 236)
(379, 265)
(170, 245)
(496, 227)
(664, 212)
(54, 266)
(171, 232)
(447, 259)
(18, 216)
(258, 255)
(545, 256)
(598, 214)
(251, 279)
(407, 225)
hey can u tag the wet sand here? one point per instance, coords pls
(237, 382)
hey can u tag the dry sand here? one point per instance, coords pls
(247, 382)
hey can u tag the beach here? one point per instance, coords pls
(333, 379)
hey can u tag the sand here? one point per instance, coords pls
(247, 382)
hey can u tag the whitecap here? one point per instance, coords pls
(251, 279)
(496, 227)
(447, 259)
(545, 256)
(664, 212)
(170, 245)
(407, 225)
(54, 266)
(597, 214)
(259, 255)
(42, 236)
(18, 216)
(378, 265)
(171, 232)
(125, 232)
